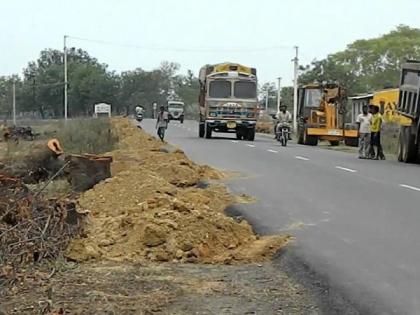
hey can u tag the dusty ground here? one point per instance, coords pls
(168, 288)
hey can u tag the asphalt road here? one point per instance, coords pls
(356, 222)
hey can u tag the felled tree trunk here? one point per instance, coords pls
(39, 165)
(85, 171)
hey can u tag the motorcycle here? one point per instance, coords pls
(139, 117)
(282, 133)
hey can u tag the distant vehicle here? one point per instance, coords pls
(102, 109)
(176, 111)
(409, 107)
(321, 111)
(228, 100)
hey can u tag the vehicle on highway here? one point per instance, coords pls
(408, 106)
(228, 100)
(176, 111)
(282, 133)
(321, 111)
(139, 117)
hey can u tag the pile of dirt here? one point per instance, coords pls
(155, 208)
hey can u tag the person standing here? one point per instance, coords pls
(162, 122)
(375, 129)
(364, 121)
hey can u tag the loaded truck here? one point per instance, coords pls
(321, 112)
(408, 106)
(228, 100)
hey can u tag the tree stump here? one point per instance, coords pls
(85, 171)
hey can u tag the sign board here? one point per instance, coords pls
(102, 108)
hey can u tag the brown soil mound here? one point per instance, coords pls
(153, 209)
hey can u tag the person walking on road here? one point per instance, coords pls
(375, 140)
(364, 121)
(162, 122)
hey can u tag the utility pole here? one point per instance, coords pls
(65, 78)
(14, 102)
(266, 101)
(295, 88)
(278, 94)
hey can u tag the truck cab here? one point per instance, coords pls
(176, 111)
(228, 100)
(409, 107)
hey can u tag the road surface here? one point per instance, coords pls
(356, 222)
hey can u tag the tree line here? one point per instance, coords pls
(39, 92)
(364, 66)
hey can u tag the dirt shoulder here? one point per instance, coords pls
(157, 241)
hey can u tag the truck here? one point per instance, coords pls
(228, 100)
(321, 115)
(176, 110)
(408, 106)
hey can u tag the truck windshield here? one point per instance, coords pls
(245, 89)
(313, 97)
(175, 105)
(220, 89)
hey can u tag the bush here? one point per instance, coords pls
(87, 135)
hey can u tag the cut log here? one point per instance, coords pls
(39, 165)
(85, 171)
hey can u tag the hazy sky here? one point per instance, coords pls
(197, 32)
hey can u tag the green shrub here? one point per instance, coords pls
(87, 135)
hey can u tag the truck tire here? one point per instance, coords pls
(201, 130)
(309, 140)
(239, 136)
(407, 148)
(181, 120)
(250, 135)
(208, 131)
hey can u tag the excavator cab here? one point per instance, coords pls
(321, 114)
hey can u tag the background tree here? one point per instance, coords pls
(367, 65)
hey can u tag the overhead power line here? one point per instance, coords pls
(182, 49)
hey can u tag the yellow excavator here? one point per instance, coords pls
(321, 112)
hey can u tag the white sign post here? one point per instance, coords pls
(102, 109)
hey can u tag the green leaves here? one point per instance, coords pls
(367, 65)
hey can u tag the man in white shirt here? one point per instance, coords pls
(364, 120)
(162, 122)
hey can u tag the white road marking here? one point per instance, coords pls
(345, 169)
(251, 145)
(273, 151)
(235, 141)
(410, 187)
(301, 158)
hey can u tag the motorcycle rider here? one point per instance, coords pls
(283, 118)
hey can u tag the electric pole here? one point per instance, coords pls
(65, 78)
(278, 94)
(266, 101)
(295, 88)
(14, 102)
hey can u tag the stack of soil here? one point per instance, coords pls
(153, 209)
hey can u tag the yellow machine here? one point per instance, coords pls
(321, 110)
(387, 101)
